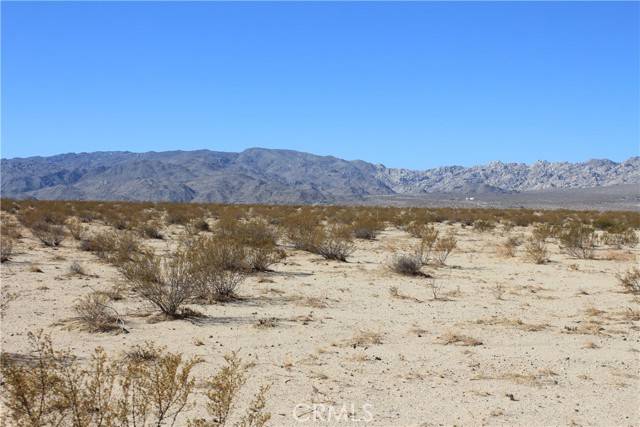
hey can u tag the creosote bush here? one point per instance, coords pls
(367, 227)
(76, 228)
(428, 238)
(304, 232)
(619, 239)
(96, 315)
(508, 247)
(536, 250)
(114, 247)
(407, 264)
(578, 240)
(167, 283)
(6, 248)
(483, 225)
(443, 248)
(54, 388)
(336, 244)
(49, 234)
(630, 280)
(216, 268)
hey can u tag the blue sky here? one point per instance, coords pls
(405, 84)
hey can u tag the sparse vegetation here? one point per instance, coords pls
(6, 248)
(443, 248)
(536, 250)
(578, 240)
(407, 264)
(336, 244)
(630, 280)
(96, 315)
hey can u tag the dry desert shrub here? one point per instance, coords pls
(53, 388)
(508, 247)
(49, 234)
(620, 239)
(483, 225)
(428, 238)
(6, 248)
(167, 283)
(197, 225)
(545, 231)
(336, 244)
(367, 226)
(77, 268)
(443, 247)
(578, 240)
(406, 264)
(535, 250)
(96, 315)
(76, 228)
(114, 247)
(215, 268)
(260, 240)
(255, 243)
(9, 228)
(151, 230)
(222, 395)
(630, 280)
(303, 232)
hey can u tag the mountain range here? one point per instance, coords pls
(259, 175)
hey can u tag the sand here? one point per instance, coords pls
(506, 342)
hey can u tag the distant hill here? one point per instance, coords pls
(260, 175)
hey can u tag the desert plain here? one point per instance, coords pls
(487, 338)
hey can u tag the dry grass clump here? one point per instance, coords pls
(630, 280)
(6, 248)
(514, 323)
(365, 338)
(535, 249)
(406, 264)
(578, 240)
(53, 388)
(267, 322)
(96, 315)
(458, 339)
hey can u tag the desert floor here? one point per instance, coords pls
(556, 344)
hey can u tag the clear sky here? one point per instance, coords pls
(405, 84)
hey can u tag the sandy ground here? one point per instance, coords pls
(342, 340)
